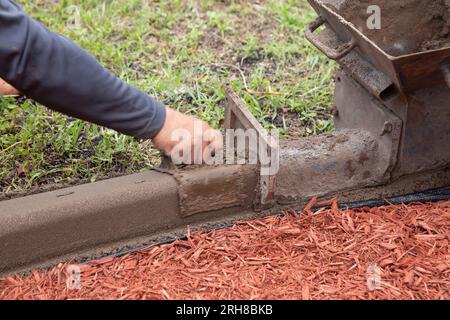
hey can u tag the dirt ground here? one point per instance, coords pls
(391, 252)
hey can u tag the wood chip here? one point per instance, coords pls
(403, 251)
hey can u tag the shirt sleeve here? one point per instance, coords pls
(57, 73)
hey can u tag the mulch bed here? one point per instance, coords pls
(391, 252)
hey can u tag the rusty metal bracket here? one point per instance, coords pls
(363, 112)
(334, 54)
(238, 116)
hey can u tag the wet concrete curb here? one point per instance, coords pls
(103, 216)
(93, 220)
(42, 226)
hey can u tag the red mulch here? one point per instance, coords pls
(297, 256)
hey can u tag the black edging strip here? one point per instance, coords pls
(433, 195)
(426, 196)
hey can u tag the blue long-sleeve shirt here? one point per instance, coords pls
(57, 73)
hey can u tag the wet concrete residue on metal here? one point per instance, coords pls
(330, 162)
(408, 26)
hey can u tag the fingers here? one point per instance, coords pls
(212, 146)
(6, 89)
(214, 141)
(188, 140)
(204, 145)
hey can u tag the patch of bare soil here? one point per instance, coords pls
(391, 252)
(408, 26)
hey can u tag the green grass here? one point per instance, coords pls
(181, 52)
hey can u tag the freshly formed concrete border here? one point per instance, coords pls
(41, 227)
(91, 220)
(45, 225)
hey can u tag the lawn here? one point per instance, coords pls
(181, 51)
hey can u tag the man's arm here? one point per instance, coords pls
(56, 72)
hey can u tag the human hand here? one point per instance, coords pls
(186, 139)
(6, 89)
